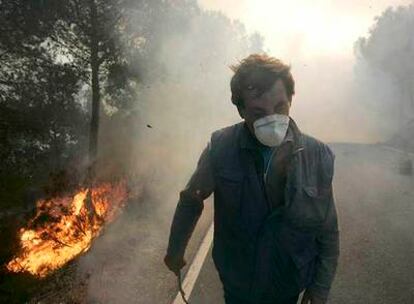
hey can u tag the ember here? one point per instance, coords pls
(64, 227)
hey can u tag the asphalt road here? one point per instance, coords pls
(376, 209)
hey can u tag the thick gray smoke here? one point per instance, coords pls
(337, 100)
(172, 122)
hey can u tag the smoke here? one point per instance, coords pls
(179, 105)
(182, 99)
(339, 97)
(342, 100)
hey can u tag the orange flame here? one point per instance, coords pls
(64, 227)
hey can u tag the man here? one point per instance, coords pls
(275, 221)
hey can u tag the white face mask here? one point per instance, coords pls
(271, 130)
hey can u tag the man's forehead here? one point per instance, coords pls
(276, 87)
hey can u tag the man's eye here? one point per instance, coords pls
(250, 87)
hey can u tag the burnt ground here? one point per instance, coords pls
(375, 204)
(376, 207)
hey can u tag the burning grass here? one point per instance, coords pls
(65, 226)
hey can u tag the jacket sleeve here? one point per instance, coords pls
(190, 205)
(328, 236)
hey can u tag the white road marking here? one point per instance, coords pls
(195, 267)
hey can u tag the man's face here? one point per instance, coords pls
(273, 101)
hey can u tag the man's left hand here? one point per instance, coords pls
(311, 298)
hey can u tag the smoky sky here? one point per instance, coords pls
(338, 98)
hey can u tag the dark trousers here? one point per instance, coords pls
(230, 299)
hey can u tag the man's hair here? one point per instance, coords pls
(260, 72)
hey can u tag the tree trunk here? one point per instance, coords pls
(94, 127)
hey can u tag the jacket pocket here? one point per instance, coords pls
(310, 206)
(230, 176)
(228, 192)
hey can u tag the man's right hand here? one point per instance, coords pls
(174, 264)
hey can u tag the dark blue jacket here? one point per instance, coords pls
(274, 234)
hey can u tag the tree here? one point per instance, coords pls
(389, 48)
(61, 61)
(39, 115)
(88, 38)
(91, 33)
